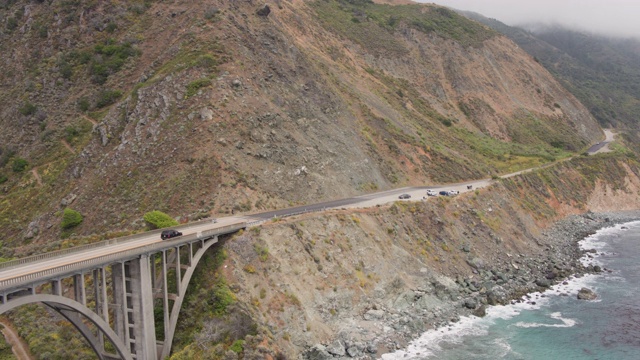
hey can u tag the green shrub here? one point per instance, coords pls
(83, 104)
(3, 178)
(446, 122)
(12, 24)
(70, 219)
(28, 109)
(111, 27)
(158, 220)
(19, 165)
(237, 346)
(221, 298)
(108, 59)
(108, 97)
(194, 86)
(70, 133)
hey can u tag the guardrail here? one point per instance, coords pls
(99, 244)
(98, 261)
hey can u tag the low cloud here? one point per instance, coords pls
(613, 17)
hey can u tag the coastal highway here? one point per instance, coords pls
(369, 200)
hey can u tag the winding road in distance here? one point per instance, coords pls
(417, 193)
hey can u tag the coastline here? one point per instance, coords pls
(513, 282)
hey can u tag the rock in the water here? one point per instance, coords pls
(586, 294)
(481, 311)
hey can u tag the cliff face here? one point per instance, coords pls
(212, 107)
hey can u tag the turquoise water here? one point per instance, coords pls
(558, 326)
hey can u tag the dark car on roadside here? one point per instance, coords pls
(443, 192)
(168, 234)
(404, 196)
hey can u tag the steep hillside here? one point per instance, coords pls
(361, 283)
(602, 72)
(117, 108)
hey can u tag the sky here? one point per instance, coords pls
(607, 17)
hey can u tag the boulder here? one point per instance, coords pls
(470, 303)
(317, 352)
(481, 311)
(497, 295)
(336, 348)
(374, 315)
(32, 230)
(264, 11)
(544, 283)
(476, 263)
(206, 113)
(354, 351)
(586, 294)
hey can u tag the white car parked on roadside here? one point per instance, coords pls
(432, 193)
(453, 192)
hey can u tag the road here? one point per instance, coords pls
(604, 145)
(364, 201)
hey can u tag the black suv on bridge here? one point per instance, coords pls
(168, 234)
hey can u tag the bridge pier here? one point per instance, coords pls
(142, 303)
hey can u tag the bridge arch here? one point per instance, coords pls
(124, 285)
(73, 311)
(182, 291)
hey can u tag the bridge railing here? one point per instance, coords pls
(99, 244)
(102, 260)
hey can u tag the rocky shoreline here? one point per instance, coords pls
(445, 300)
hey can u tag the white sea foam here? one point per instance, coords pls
(556, 316)
(594, 242)
(503, 345)
(429, 343)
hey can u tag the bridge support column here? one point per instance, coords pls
(56, 287)
(142, 300)
(120, 324)
(79, 291)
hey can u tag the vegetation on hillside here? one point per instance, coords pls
(603, 72)
(372, 25)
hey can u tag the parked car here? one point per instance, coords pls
(168, 234)
(404, 196)
(432, 192)
(443, 192)
(453, 192)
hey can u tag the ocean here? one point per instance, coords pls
(555, 324)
